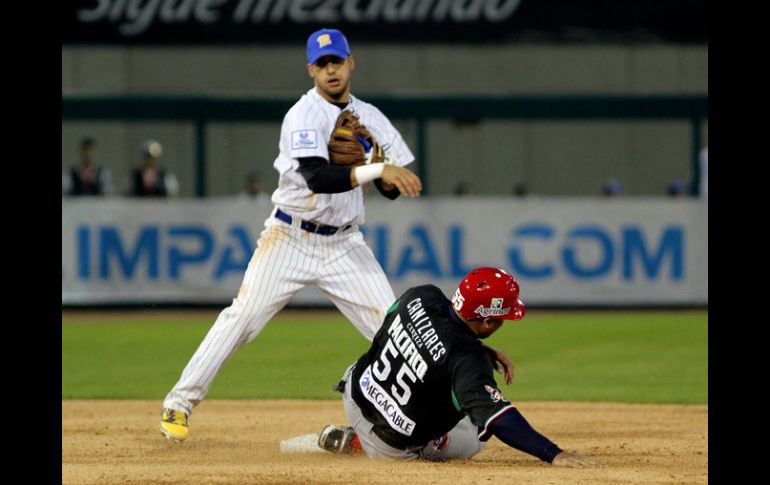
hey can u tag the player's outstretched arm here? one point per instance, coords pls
(572, 459)
(512, 429)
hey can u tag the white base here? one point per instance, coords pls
(302, 444)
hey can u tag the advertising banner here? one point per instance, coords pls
(265, 22)
(563, 251)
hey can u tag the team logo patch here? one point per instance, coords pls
(324, 40)
(440, 443)
(495, 309)
(303, 139)
(365, 378)
(494, 394)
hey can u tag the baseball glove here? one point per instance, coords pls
(352, 144)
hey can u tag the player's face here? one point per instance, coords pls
(332, 77)
(488, 326)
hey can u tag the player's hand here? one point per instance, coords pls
(404, 180)
(572, 459)
(502, 363)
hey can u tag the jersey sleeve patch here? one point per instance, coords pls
(494, 394)
(304, 139)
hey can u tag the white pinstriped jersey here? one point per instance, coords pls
(305, 132)
(289, 258)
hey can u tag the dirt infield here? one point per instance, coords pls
(234, 442)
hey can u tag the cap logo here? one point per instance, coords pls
(495, 309)
(324, 40)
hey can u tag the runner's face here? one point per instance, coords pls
(489, 326)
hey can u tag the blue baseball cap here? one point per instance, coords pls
(327, 42)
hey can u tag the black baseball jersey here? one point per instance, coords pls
(424, 372)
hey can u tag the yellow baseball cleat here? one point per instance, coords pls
(173, 425)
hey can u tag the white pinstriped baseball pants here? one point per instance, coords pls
(286, 260)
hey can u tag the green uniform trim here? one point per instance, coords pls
(393, 306)
(456, 402)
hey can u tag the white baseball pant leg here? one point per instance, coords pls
(283, 263)
(354, 281)
(460, 442)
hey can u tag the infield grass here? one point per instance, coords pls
(620, 356)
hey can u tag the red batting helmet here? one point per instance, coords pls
(488, 292)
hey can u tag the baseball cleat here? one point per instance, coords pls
(341, 439)
(173, 425)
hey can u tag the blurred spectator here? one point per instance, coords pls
(611, 188)
(254, 187)
(520, 190)
(87, 178)
(463, 189)
(675, 188)
(151, 180)
(703, 188)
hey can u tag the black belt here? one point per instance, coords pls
(321, 229)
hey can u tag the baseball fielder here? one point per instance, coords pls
(312, 236)
(426, 370)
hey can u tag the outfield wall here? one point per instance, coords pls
(564, 251)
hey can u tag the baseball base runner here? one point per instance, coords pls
(425, 389)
